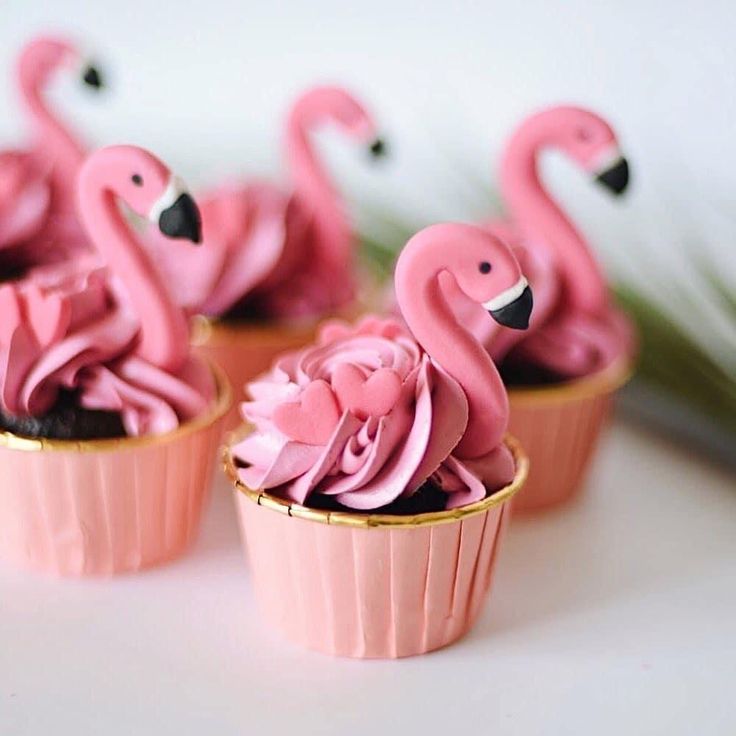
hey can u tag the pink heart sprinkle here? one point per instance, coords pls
(312, 418)
(372, 396)
(49, 315)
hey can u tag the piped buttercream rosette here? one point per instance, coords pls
(364, 416)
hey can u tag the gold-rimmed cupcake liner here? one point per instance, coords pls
(372, 585)
(102, 507)
(559, 427)
(606, 380)
(218, 409)
(362, 520)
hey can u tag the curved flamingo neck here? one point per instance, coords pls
(312, 185)
(163, 336)
(54, 143)
(451, 346)
(535, 210)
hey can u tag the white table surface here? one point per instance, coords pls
(616, 615)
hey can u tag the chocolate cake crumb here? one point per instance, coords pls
(66, 421)
(428, 498)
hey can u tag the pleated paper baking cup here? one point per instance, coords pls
(246, 350)
(559, 428)
(101, 507)
(372, 585)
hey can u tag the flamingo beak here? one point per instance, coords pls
(181, 220)
(615, 177)
(92, 78)
(176, 213)
(513, 307)
(378, 148)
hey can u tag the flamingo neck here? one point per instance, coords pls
(531, 205)
(163, 336)
(54, 143)
(452, 347)
(333, 242)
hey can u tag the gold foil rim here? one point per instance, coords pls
(371, 521)
(219, 408)
(605, 381)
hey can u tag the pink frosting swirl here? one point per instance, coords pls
(258, 251)
(365, 416)
(67, 326)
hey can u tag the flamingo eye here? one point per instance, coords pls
(137, 179)
(583, 134)
(484, 267)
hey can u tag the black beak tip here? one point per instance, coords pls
(516, 314)
(93, 78)
(378, 148)
(182, 220)
(615, 179)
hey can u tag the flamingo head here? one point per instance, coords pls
(488, 273)
(339, 107)
(590, 141)
(41, 57)
(484, 268)
(147, 186)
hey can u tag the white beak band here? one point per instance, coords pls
(607, 159)
(174, 189)
(506, 297)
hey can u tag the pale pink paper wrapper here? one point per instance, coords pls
(106, 506)
(559, 428)
(373, 586)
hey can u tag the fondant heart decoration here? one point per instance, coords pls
(10, 314)
(371, 396)
(49, 315)
(312, 418)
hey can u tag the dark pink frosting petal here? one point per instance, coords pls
(252, 224)
(300, 488)
(142, 411)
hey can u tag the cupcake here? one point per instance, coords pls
(373, 474)
(109, 425)
(38, 220)
(277, 258)
(563, 371)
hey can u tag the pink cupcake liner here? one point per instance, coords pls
(106, 506)
(559, 428)
(357, 585)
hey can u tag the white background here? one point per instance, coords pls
(615, 615)
(206, 85)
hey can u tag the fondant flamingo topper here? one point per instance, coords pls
(591, 143)
(54, 144)
(332, 236)
(573, 329)
(40, 181)
(292, 246)
(112, 332)
(147, 186)
(487, 272)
